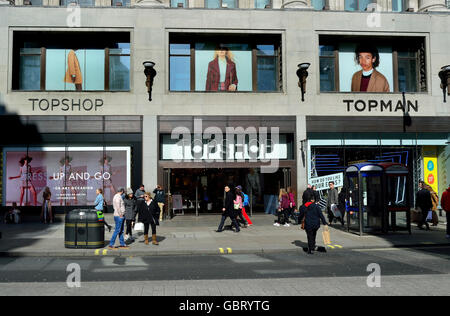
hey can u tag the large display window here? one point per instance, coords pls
(225, 63)
(372, 64)
(71, 61)
(73, 174)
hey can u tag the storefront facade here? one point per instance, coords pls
(98, 115)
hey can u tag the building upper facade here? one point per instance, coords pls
(89, 60)
(339, 5)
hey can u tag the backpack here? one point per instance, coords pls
(246, 200)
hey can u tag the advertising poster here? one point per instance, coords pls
(223, 67)
(75, 70)
(365, 68)
(430, 164)
(72, 175)
(322, 183)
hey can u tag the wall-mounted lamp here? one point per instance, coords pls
(150, 73)
(302, 74)
(444, 74)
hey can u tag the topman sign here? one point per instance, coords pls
(381, 106)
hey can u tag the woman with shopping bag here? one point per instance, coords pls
(310, 216)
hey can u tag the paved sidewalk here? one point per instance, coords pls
(189, 235)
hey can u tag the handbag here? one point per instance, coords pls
(430, 216)
(139, 227)
(326, 236)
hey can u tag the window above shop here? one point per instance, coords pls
(350, 64)
(71, 61)
(225, 63)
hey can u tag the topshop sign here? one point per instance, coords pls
(73, 105)
(234, 144)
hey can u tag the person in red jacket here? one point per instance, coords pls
(445, 203)
(221, 74)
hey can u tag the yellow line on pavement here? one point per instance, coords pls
(105, 251)
(332, 247)
(221, 250)
(97, 252)
(339, 246)
(229, 250)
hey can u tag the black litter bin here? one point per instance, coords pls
(83, 229)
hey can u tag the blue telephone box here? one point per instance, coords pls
(377, 194)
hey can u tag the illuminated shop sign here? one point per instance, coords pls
(72, 174)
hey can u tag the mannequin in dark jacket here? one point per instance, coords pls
(228, 211)
(313, 216)
(148, 214)
(423, 200)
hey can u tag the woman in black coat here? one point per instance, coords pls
(313, 216)
(148, 214)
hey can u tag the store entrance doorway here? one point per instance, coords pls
(201, 191)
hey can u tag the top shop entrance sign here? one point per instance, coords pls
(73, 105)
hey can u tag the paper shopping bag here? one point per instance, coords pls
(326, 236)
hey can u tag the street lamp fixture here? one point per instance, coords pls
(150, 73)
(444, 74)
(302, 74)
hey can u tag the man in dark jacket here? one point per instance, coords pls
(313, 216)
(160, 198)
(228, 211)
(423, 200)
(332, 199)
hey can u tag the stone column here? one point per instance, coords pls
(149, 4)
(296, 4)
(150, 151)
(301, 156)
(432, 5)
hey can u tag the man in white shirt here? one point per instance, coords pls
(119, 219)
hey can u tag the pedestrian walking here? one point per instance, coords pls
(228, 210)
(312, 214)
(239, 205)
(130, 214)
(140, 193)
(99, 206)
(316, 194)
(307, 194)
(292, 204)
(342, 201)
(12, 215)
(332, 199)
(434, 203)
(160, 198)
(246, 206)
(445, 204)
(283, 209)
(46, 212)
(148, 214)
(423, 201)
(119, 219)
